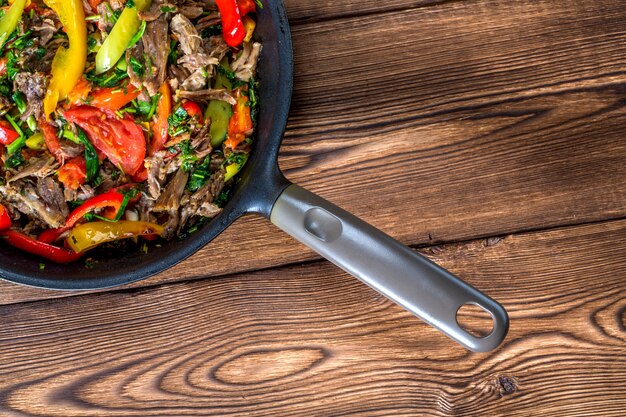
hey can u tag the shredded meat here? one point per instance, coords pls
(190, 41)
(33, 86)
(44, 200)
(206, 95)
(156, 47)
(37, 167)
(245, 65)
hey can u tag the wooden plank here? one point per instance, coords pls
(300, 11)
(447, 123)
(309, 340)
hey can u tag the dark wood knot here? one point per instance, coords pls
(506, 385)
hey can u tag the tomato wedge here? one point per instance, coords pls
(120, 140)
(73, 173)
(114, 98)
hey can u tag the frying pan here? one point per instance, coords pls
(412, 281)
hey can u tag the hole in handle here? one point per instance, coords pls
(475, 320)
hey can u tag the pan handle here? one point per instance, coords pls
(409, 279)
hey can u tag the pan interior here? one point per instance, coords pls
(254, 192)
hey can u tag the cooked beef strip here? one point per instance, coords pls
(206, 95)
(195, 61)
(37, 167)
(201, 202)
(106, 17)
(217, 47)
(44, 201)
(177, 73)
(245, 65)
(190, 41)
(196, 81)
(169, 200)
(208, 21)
(5, 104)
(51, 193)
(44, 29)
(33, 86)
(156, 174)
(135, 52)
(156, 46)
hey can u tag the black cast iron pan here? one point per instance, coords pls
(407, 278)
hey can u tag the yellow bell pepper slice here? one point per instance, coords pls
(9, 21)
(68, 63)
(89, 235)
(249, 25)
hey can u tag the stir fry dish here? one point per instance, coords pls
(122, 122)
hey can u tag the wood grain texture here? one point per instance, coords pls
(311, 341)
(299, 11)
(446, 123)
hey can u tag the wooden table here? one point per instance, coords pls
(489, 135)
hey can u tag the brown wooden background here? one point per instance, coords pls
(488, 134)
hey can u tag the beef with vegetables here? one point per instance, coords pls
(121, 119)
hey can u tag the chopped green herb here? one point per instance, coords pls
(259, 4)
(15, 160)
(110, 78)
(187, 156)
(12, 65)
(200, 175)
(222, 198)
(130, 3)
(91, 157)
(172, 56)
(167, 9)
(42, 266)
(139, 33)
(136, 66)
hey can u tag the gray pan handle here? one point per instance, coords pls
(409, 279)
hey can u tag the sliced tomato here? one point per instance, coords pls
(193, 110)
(79, 93)
(52, 141)
(121, 140)
(114, 98)
(246, 6)
(73, 173)
(7, 133)
(5, 219)
(159, 128)
(240, 123)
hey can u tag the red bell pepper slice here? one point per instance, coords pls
(112, 200)
(159, 128)
(5, 219)
(114, 98)
(246, 6)
(232, 26)
(240, 123)
(121, 140)
(193, 110)
(7, 133)
(73, 173)
(45, 250)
